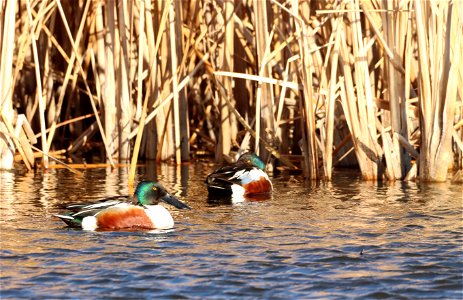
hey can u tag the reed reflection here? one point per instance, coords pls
(7, 192)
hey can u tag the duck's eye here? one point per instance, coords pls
(155, 188)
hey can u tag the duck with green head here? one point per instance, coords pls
(245, 178)
(118, 213)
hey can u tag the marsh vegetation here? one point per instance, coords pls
(312, 84)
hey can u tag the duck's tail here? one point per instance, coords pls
(70, 220)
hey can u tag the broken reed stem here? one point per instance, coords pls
(43, 153)
(309, 138)
(136, 147)
(328, 162)
(143, 119)
(123, 80)
(439, 92)
(174, 67)
(264, 95)
(262, 79)
(69, 70)
(39, 84)
(7, 36)
(165, 101)
(16, 141)
(81, 71)
(243, 122)
(70, 121)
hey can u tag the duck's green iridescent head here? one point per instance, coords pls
(151, 193)
(251, 159)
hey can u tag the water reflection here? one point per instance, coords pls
(217, 199)
(7, 179)
(303, 242)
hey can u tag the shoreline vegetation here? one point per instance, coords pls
(311, 85)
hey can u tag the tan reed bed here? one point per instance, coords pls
(314, 84)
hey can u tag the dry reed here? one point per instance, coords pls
(314, 84)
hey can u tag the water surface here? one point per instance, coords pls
(343, 239)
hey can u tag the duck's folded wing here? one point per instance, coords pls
(218, 183)
(100, 204)
(80, 211)
(224, 180)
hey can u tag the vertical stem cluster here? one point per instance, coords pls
(315, 84)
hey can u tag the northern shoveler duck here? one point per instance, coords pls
(117, 213)
(245, 178)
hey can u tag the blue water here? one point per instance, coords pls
(337, 240)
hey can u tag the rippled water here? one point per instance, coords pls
(343, 239)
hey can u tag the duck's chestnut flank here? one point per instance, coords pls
(260, 186)
(129, 217)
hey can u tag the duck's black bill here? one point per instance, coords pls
(169, 199)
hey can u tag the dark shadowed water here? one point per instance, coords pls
(344, 239)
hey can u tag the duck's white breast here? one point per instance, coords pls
(160, 216)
